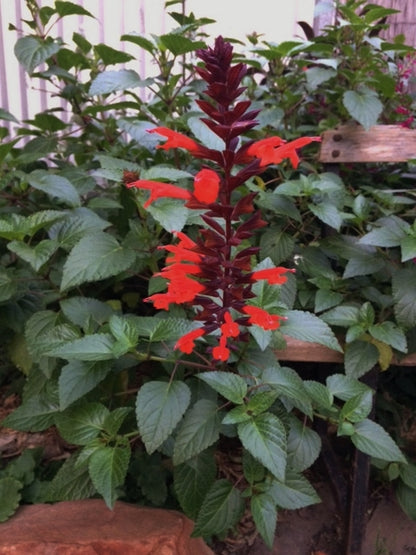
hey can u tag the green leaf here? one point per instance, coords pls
(287, 382)
(344, 316)
(293, 493)
(308, 327)
(179, 44)
(199, 429)
(387, 232)
(33, 51)
(7, 116)
(328, 214)
(231, 386)
(64, 8)
(406, 497)
(325, 299)
(359, 358)
(70, 483)
(408, 248)
(192, 481)
(408, 474)
(345, 387)
(81, 311)
(264, 514)
(94, 347)
(108, 468)
(110, 55)
(33, 415)
(170, 213)
(265, 438)
(10, 496)
(82, 423)
(363, 105)
(303, 446)
(372, 439)
(253, 470)
(204, 134)
(404, 294)
(277, 245)
(54, 186)
(78, 378)
(112, 81)
(358, 407)
(222, 508)
(320, 395)
(157, 172)
(78, 223)
(389, 333)
(8, 285)
(35, 256)
(159, 408)
(140, 41)
(95, 257)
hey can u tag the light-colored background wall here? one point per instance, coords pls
(274, 19)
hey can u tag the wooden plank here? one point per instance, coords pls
(303, 351)
(381, 143)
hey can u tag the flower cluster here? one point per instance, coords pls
(214, 272)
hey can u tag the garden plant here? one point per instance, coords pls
(156, 253)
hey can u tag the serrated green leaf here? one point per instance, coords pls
(276, 244)
(78, 378)
(408, 248)
(78, 223)
(165, 172)
(159, 408)
(387, 232)
(404, 294)
(359, 358)
(253, 470)
(408, 474)
(344, 316)
(192, 481)
(315, 76)
(94, 347)
(320, 395)
(303, 446)
(325, 299)
(389, 333)
(328, 214)
(112, 81)
(95, 257)
(64, 8)
(83, 423)
(231, 386)
(264, 514)
(372, 439)
(10, 496)
(36, 256)
(204, 134)
(70, 483)
(345, 387)
(108, 468)
(308, 327)
(179, 44)
(294, 493)
(265, 438)
(236, 415)
(33, 51)
(110, 55)
(82, 310)
(288, 383)
(35, 414)
(170, 213)
(199, 429)
(8, 284)
(222, 508)
(54, 186)
(406, 497)
(363, 105)
(140, 41)
(358, 407)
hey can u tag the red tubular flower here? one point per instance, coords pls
(160, 190)
(186, 343)
(221, 352)
(262, 318)
(175, 140)
(178, 271)
(179, 291)
(229, 328)
(206, 186)
(274, 150)
(274, 276)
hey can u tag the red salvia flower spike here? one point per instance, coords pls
(160, 190)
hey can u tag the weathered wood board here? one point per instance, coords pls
(381, 143)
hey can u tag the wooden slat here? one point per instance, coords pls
(381, 143)
(303, 351)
